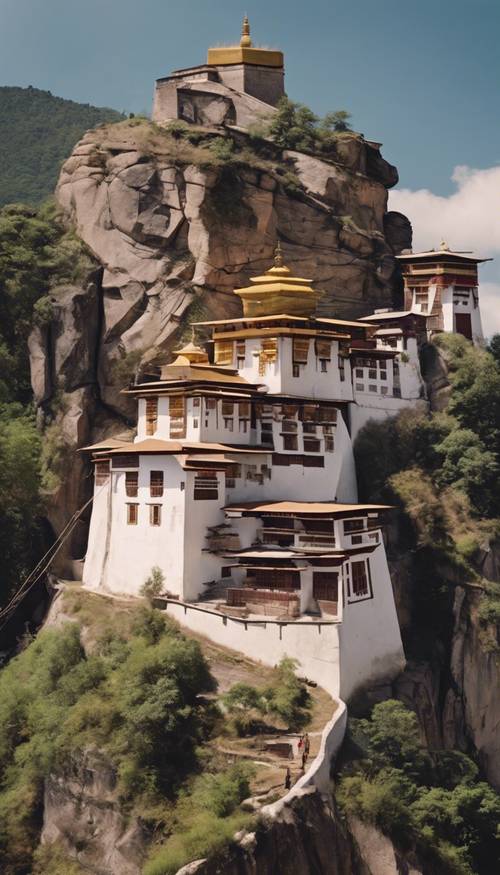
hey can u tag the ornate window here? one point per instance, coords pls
(223, 352)
(131, 484)
(156, 484)
(101, 473)
(177, 410)
(151, 415)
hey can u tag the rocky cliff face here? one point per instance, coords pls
(173, 228)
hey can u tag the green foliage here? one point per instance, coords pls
(428, 802)
(36, 253)
(222, 148)
(20, 483)
(37, 132)
(295, 126)
(136, 698)
(125, 368)
(52, 860)
(153, 585)
(207, 819)
(287, 700)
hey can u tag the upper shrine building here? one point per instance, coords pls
(237, 85)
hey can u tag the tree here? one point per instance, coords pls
(289, 698)
(153, 585)
(336, 121)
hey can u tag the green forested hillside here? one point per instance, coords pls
(37, 132)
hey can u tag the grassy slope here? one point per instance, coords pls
(37, 132)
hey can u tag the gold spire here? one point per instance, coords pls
(245, 41)
(443, 246)
(278, 293)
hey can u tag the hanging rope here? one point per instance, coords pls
(43, 565)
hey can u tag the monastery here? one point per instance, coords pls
(240, 485)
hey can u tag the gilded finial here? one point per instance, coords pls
(278, 255)
(245, 41)
(443, 245)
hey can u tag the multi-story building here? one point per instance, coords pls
(241, 486)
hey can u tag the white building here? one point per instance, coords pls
(443, 286)
(241, 487)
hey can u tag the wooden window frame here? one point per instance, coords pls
(155, 514)
(156, 484)
(151, 415)
(132, 484)
(132, 513)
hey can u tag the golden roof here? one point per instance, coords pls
(277, 292)
(245, 53)
(190, 354)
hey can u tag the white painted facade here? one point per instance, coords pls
(260, 428)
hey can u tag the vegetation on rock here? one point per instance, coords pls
(138, 696)
(37, 132)
(37, 254)
(429, 803)
(443, 469)
(286, 699)
(295, 126)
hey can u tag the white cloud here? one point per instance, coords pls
(469, 219)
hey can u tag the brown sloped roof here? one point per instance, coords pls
(305, 507)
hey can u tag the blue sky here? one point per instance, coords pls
(420, 77)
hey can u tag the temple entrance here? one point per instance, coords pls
(463, 325)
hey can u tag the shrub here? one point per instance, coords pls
(289, 698)
(430, 802)
(153, 585)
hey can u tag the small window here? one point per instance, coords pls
(196, 423)
(196, 402)
(211, 403)
(151, 415)
(311, 445)
(155, 514)
(156, 484)
(360, 373)
(383, 375)
(243, 426)
(132, 514)
(372, 374)
(383, 390)
(132, 484)
(323, 367)
(329, 443)
(356, 525)
(356, 539)
(206, 486)
(101, 473)
(227, 408)
(229, 424)
(290, 442)
(360, 387)
(372, 388)
(359, 579)
(296, 370)
(396, 391)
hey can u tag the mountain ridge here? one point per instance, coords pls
(37, 132)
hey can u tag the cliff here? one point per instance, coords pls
(174, 220)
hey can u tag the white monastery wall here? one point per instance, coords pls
(200, 567)
(135, 549)
(314, 645)
(99, 534)
(371, 650)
